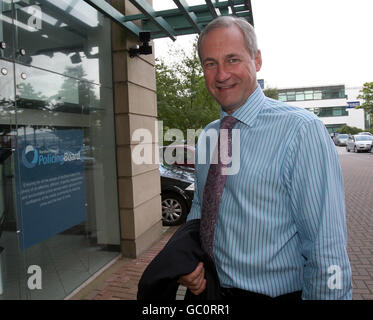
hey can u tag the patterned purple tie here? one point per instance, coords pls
(214, 187)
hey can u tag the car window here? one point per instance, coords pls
(364, 138)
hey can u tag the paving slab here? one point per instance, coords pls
(357, 171)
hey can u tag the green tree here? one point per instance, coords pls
(349, 130)
(27, 91)
(271, 93)
(183, 100)
(367, 96)
(79, 92)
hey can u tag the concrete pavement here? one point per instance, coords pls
(119, 282)
(357, 171)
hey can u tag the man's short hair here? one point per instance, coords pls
(227, 21)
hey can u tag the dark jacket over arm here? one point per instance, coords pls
(180, 256)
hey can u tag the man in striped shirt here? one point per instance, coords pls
(281, 229)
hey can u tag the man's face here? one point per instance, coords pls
(230, 72)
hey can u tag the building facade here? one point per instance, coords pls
(71, 198)
(334, 105)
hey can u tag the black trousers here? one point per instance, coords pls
(233, 294)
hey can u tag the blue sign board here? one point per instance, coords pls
(50, 184)
(353, 104)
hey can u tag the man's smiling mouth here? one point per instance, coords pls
(225, 87)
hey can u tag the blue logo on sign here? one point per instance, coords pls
(32, 157)
(30, 150)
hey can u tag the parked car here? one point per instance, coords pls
(177, 191)
(359, 142)
(366, 133)
(341, 139)
(184, 155)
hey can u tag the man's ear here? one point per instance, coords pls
(258, 61)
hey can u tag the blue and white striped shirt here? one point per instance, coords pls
(281, 224)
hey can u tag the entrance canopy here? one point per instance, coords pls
(171, 23)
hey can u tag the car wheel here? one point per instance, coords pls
(348, 150)
(174, 209)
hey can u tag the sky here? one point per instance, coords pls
(304, 43)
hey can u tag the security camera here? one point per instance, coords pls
(145, 48)
(144, 36)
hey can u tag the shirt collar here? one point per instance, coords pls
(248, 112)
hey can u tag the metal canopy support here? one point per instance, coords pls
(115, 15)
(211, 8)
(231, 4)
(148, 11)
(250, 10)
(192, 18)
(170, 23)
(182, 26)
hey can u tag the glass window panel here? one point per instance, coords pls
(56, 106)
(282, 96)
(317, 95)
(337, 112)
(342, 93)
(6, 29)
(62, 36)
(300, 96)
(12, 263)
(308, 95)
(333, 93)
(7, 97)
(50, 93)
(325, 94)
(291, 96)
(326, 112)
(334, 127)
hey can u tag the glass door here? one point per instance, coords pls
(58, 200)
(12, 259)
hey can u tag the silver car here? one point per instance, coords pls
(359, 142)
(341, 139)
